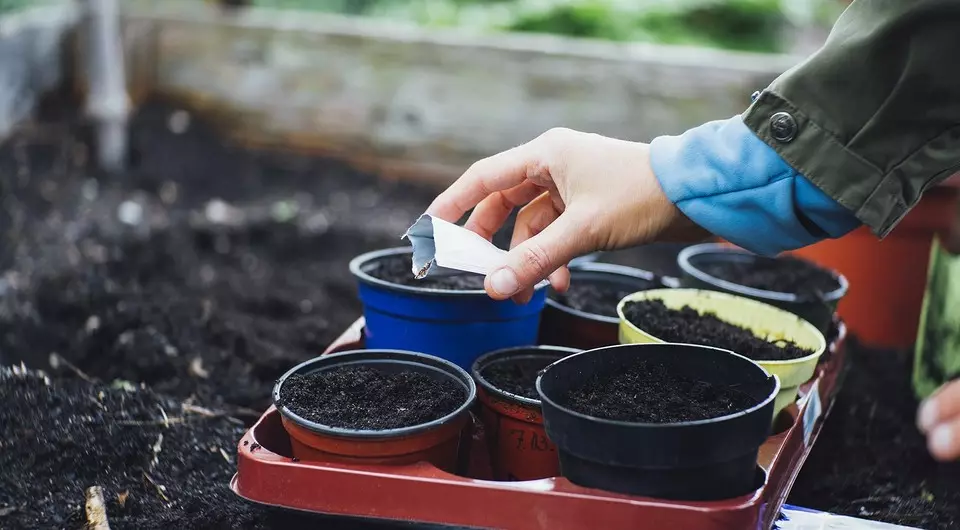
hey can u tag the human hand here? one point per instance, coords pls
(579, 193)
(939, 419)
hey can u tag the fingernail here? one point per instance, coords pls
(504, 282)
(927, 418)
(941, 440)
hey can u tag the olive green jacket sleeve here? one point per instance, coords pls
(872, 118)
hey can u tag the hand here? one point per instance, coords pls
(939, 419)
(579, 193)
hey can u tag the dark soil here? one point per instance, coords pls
(399, 270)
(518, 377)
(870, 460)
(366, 398)
(651, 393)
(688, 326)
(781, 275)
(595, 297)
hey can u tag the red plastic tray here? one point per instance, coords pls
(268, 475)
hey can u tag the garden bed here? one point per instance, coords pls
(147, 278)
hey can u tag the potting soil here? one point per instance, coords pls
(781, 275)
(595, 297)
(517, 377)
(649, 392)
(398, 270)
(369, 398)
(688, 326)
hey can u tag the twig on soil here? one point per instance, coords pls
(166, 420)
(224, 454)
(56, 360)
(160, 489)
(155, 449)
(7, 510)
(96, 509)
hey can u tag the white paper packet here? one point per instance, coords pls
(443, 248)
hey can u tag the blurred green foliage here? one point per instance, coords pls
(12, 5)
(750, 25)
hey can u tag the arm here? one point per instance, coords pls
(873, 118)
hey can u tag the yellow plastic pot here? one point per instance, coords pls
(766, 321)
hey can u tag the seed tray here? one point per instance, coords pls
(267, 474)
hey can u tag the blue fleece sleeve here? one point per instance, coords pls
(727, 180)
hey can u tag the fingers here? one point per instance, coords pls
(537, 257)
(939, 419)
(497, 173)
(531, 220)
(493, 211)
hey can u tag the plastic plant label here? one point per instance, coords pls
(812, 412)
(441, 248)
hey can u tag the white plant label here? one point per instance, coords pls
(812, 411)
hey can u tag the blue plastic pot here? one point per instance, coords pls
(458, 326)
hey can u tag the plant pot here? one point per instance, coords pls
(888, 277)
(454, 324)
(519, 447)
(582, 327)
(697, 261)
(436, 441)
(707, 459)
(764, 320)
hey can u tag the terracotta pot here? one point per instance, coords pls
(887, 278)
(519, 447)
(437, 442)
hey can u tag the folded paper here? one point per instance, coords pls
(441, 248)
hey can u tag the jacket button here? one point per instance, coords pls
(783, 127)
(754, 96)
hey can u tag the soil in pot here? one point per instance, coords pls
(365, 398)
(650, 393)
(688, 326)
(781, 275)
(597, 298)
(398, 269)
(517, 376)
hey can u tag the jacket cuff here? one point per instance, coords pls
(731, 183)
(818, 154)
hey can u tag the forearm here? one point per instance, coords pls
(732, 184)
(873, 118)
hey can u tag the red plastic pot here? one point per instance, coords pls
(436, 442)
(565, 326)
(519, 448)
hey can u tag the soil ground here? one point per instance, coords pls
(598, 298)
(650, 393)
(370, 399)
(688, 326)
(184, 288)
(784, 275)
(516, 377)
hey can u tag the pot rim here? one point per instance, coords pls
(445, 366)
(618, 423)
(822, 343)
(356, 268)
(610, 269)
(517, 352)
(688, 253)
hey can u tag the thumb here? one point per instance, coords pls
(536, 258)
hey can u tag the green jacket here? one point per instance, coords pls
(873, 118)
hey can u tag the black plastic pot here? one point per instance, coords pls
(565, 326)
(437, 442)
(698, 460)
(817, 311)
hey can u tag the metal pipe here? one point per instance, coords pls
(108, 104)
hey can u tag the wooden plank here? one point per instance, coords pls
(423, 102)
